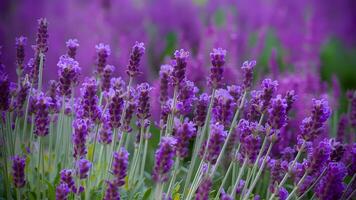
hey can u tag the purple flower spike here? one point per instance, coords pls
(236, 92)
(103, 51)
(80, 133)
(201, 109)
(83, 167)
(62, 191)
(269, 87)
(224, 107)
(331, 186)
(143, 107)
(22, 94)
(312, 126)
(278, 113)
(164, 75)
(164, 159)
(130, 109)
(217, 60)
(283, 193)
(118, 84)
(247, 70)
(179, 67)
(42, 36)
(5, 92)
(67, 178)
(112, 191)
(290, 97)
(136, 54)
(250, 143)
(106, 82)
(186, 97)
(217, 138)
(119, 166)
(105, 134)
(18, 171)
(20, 51)
(203, 190)
(68, 74)
(319, 157)
(42, 118)
(90, 100)
(115, 108)
(53, 94)
(183, 133)
(72, 45)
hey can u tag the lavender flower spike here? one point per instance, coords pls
(143, 108)
(18, 171)
(68, 74)
(203, 190)
(42, 36)
(83, 167)
(62, 191)
(103, 51)
(106, 81)
(42, 119)
(90, 100)
(184, 132)
(112, 191)
(201, 109)
(115, 108)
(72, 45)
(20, 51)
(217, 137)
(136, 54)
(278, 113)
(217, 60)
(119, 166)
(247, 70)
(81, 131)
(164, 74)
(269, 87)
(179, 67)
(66, 176)
(163, 159)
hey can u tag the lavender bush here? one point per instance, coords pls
(211, 141)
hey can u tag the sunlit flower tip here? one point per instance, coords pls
(42, 36)
(72, 45)
(217, 60)
(179, 66)
(135, 57)
(247, 70)
(68, 74)
(103, 51)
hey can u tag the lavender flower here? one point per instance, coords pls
(130, 109)
(290, 97)
(52, 94)
(331, 186)
(115, 108)
(312, 126)
(106, 81)
(18, 171)
(282, 193)
(143, 107)
(179, 67)
(217, 138)
(250, 143)
(80, 133)
(269, 87)
(223, 107)
(136, 54)
(119, 166)
(34, 68)
(183, 133)
(236, 92)
(203, 190)
(83, 166)
(42, 36)
(103, 51)
(62, 191)
(68, 74)
(240, 186)
(247, 70)
(319, 157)
(20, 52)
(163, 159)
(72, 45)
(89, 101)
(118, 84)
(201, 109)
(217, 60)
(66, 177)
(42, 119)
(278, 113)
(164, 75)
(278, 168)
(22, 94)
(186, 97)
(5, 92)
(112, 191)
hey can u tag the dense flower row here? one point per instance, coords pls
(222, 141)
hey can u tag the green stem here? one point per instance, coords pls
(298, 185)
(40, 72)
(173, 179)
(158, 192)
(144, 159)
(224, 180)
(233, 193)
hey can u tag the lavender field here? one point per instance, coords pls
(178, 99)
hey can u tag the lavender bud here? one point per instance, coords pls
(72, 45)
(62, 191)
(143, 107)
(186, 97)
(130, 109)
(42, 118)
(278, 113)
(68, 74)
(20, 52)
(290, 97)
(247, 70)
(164, 75)
(106, 81)
(236, 92)
(203, 190)
(337, 152)
(90, 100)
(103, 51)
(42, 36)
(163, 159)
(136, 54)
(179, 67)
(120, 165)
(183, 133)
(22, 94)
(216, 72)
(223, 108)
(52, 93)
(240, 186)
(319, 157)
(283, 193)
(250, 143)
(269, 87)
(105, 134)
(201, 109)
(80, 133)
(217, 138)
(18, 171)
(118, 84)
(83, 167)
(225, 196)
(66, 176)
(112, 191)
(115, 108)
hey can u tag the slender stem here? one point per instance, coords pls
(224, 180)
(312, 186)
(348, 186)
(158, 192)
(233, 193)
(40, 71)
(144, 159)
(351, 195)
(171, 115)
(173, 179)
(298, 185)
